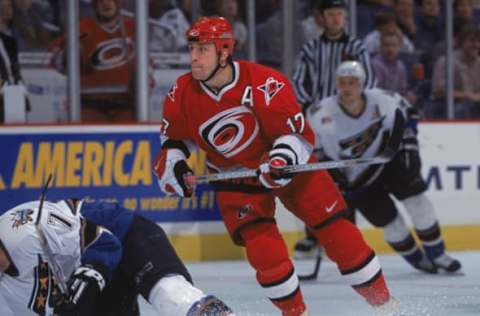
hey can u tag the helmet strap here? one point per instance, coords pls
(217, 68)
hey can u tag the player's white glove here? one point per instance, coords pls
(172, 171)
(84, 287)
(287, 150)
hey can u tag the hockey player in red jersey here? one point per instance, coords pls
(245, 115)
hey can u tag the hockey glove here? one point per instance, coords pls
(172, 171)
(84, 287)
(408, 151)
(287, 150)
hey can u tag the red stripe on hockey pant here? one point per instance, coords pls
(268, 255)
(344, 244)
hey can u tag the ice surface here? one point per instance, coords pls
(419, 293)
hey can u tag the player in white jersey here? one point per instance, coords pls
(106, 255)
(356, 123)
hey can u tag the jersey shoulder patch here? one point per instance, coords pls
(269, 82)
(270, 88)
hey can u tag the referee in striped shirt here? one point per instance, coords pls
(314, 75)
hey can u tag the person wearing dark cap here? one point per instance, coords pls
(316, 64)
(314, 75)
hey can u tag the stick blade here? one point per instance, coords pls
(314, 275)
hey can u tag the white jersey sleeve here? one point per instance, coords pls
(4, 308)
(341, 135)
(28, 286)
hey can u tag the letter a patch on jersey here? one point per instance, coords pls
(270, 88)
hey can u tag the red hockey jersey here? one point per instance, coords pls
(106, 56)
(240, 122)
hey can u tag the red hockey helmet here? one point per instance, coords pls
(215, 30)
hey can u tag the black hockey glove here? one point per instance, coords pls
(84, 287)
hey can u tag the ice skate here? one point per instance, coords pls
(447, 263)
(390, 308)
(425, 265)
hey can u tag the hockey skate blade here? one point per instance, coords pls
(390, 308)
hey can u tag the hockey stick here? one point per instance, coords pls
(386, 155)
(248, 173)
(56, 269)
(316, 268)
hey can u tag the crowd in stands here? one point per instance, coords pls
(406, 39)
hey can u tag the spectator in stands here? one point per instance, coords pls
(386, 22)
(34, 23)
(462, 19)
(366, 11)
(9, 66)
(106, 64)
(466, 77)
(229, 9)
(312, 26)
(269, 38)
(476, 10)
(430, 30)
(389, 69)
(162, 36)
(405, 14)
(179, 19)
(463, 14)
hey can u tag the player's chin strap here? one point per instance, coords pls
(217, 68)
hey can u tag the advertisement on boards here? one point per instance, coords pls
(98, 162)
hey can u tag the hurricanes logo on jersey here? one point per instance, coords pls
(21, 217)
(270, 88)
(230, 131)
(356, 145)
(112, 53)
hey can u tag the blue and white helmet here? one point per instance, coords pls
(351, 69)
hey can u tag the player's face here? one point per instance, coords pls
(4, 262)
(349, 89)
(204, 59)
(107, 9)
(334, 19)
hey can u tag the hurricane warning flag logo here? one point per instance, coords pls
(270, 88)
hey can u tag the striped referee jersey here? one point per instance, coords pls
(314, 75)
